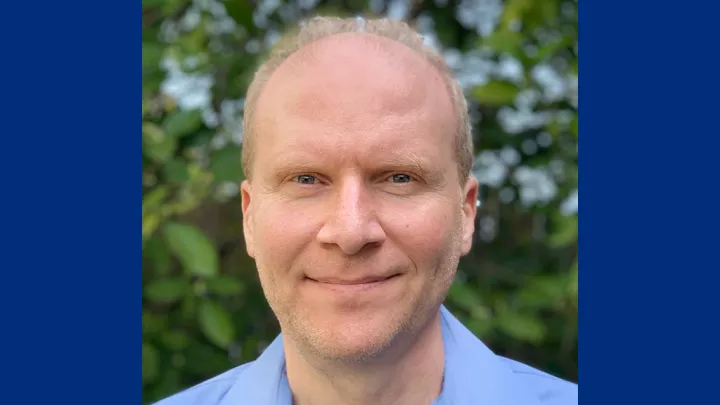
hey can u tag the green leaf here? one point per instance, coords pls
(216, 324)
(169, 383)
(188, 307)
(548, 12)
(479, 327)
(464, 297)
(241, 11)
(549, 49)
(200, 138)
(182, 123)
(151, 83)
(152, 54)
(514, 10)
(554, 128)
(521, 327)
(574, 126)
(175, 340)
(504, 41)
(203, 359)
(173, 6)
(154, 198)
(152, 323)
(195, 41)
(150, 222)
(176, 171)
(156, 145)
(566, 232)
(543, 292)
(150, 363)
(540, 13)
(446, 31)
(495, 93)
(157, 254)
(573, 285)
(194, 250)
(226, 164)
(167, 290)
(224, 286)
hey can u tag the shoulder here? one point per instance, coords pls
(208, 392)
(550, 390)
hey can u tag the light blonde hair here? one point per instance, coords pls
(322, 27)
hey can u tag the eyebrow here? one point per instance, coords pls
(290, 166)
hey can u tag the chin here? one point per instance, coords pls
(354, 348)
(353, 339)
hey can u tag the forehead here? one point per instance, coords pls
(355, 92)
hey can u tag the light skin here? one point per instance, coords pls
(356, 218)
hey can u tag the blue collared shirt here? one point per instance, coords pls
(474, 375)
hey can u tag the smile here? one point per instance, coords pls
(353, 285)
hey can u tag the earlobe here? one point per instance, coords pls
(248, 232)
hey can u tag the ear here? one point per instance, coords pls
(469, 208)
(248, 229)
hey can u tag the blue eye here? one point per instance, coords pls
(305, 179)
(400, 178)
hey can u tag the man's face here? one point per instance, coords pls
(355, 214)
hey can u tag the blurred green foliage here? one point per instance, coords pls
(203, 309)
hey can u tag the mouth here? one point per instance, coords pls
(353, 285)
(356, 281)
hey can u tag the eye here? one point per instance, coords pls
(305, 179)
(400, 178)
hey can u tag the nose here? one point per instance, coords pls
(352, 222)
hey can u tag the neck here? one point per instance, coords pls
(413, 375)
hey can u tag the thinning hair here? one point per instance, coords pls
(322, 27)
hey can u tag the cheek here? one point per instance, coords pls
(426, 231)
(281, 233)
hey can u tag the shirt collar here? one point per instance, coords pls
(474, 375)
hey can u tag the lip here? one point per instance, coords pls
(357, 281)
(348, 286)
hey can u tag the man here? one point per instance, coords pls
(357, 206)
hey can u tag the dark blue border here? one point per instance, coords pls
(71, 203)
(648, 219)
